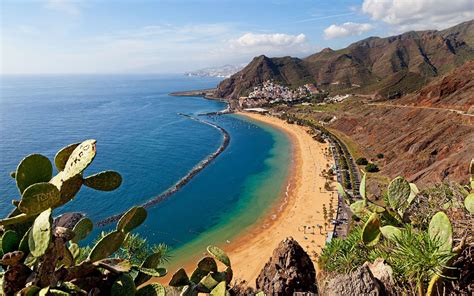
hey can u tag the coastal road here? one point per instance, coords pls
(460, 112)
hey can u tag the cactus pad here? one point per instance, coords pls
(469, 203)
(40, 234)
(207, 283)
(62, 156)
(155, 272)
(82, 229)
(107, 245)
(75, 251)
(10, 241)
(398, 192)
(219, 290)
(104, 181)
(153, 289)
(219, 254)
(390, 232)
(358, 208)
(80, 159)
(15, 219)
(132, 219)
(39, 197)
(179, 279)
(67, 188)
(362, 187)
(124, 285)
(440, 230)
(342, 192)
(151, 261)
(34, 168)
(371, 231)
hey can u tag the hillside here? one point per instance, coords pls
(390, 66)
(422, 136)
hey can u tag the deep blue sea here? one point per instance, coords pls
(140, 134)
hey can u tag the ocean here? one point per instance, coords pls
(140, 134)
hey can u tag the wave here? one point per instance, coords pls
(184, 180)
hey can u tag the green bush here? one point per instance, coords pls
(362, 161)
(380, 156)
(371, 168)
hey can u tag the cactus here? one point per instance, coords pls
(390, 232)
(132, 219)
(10, 241)
(153, 289)
(440, 230)
(82, 229)
(154, 272)
(80, 158)
(39, 197)
(40, 234)
(68, 188)
(219, 255)
(219, 290)
(179, 279)
(413, 192)
(398, 192)
(362, 187)
(469, 203)
(104, 181)
(371, 231)
(123, 285)
(34, 168)
(358, 208)
(63, 155)
(106, 246)
(208, 283)
(152, 261)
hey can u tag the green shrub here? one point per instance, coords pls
(371, 168)
(380, 156)
(362, 161)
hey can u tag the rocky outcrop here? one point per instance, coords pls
(394, 65)
(359, 282)
(289, 270)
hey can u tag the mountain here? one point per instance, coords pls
(222, 71)
(391, 66)
(427, 136)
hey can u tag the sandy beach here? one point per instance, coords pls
(298, 212)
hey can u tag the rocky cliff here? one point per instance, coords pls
(389, 66)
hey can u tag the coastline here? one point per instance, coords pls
(296, 212)
(299, 207)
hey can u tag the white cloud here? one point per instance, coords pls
(69, 7)
(251, 40)
(346, 29)
(404, 15)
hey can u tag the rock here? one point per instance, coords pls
(359, 282)
(383, 272)
(68, 220)
(289, 270)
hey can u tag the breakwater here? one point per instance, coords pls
(185, 179)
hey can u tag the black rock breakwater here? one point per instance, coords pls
(184, 180)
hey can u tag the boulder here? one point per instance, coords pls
(289, 270)
(359, 282)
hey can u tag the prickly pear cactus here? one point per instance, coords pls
(469, 203)
(132, 219)
(124, 285)
(179, 279)
(219, 255)
(39, 197)
(108, 245)
(362, 187)
(440, 230)
(104, 181)
(82, 229)
(80, 158)
(153, 289)
(40, 234)
(63, 155)
(371, 231)
(10, 241)
(219, 290)
(34, 168)
(390, 232)
(398, 192)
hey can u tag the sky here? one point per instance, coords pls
(173, 36)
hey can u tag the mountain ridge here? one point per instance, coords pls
(389, 66)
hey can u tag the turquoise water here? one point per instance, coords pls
(140, 134)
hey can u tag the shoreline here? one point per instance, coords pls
(296, 212)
